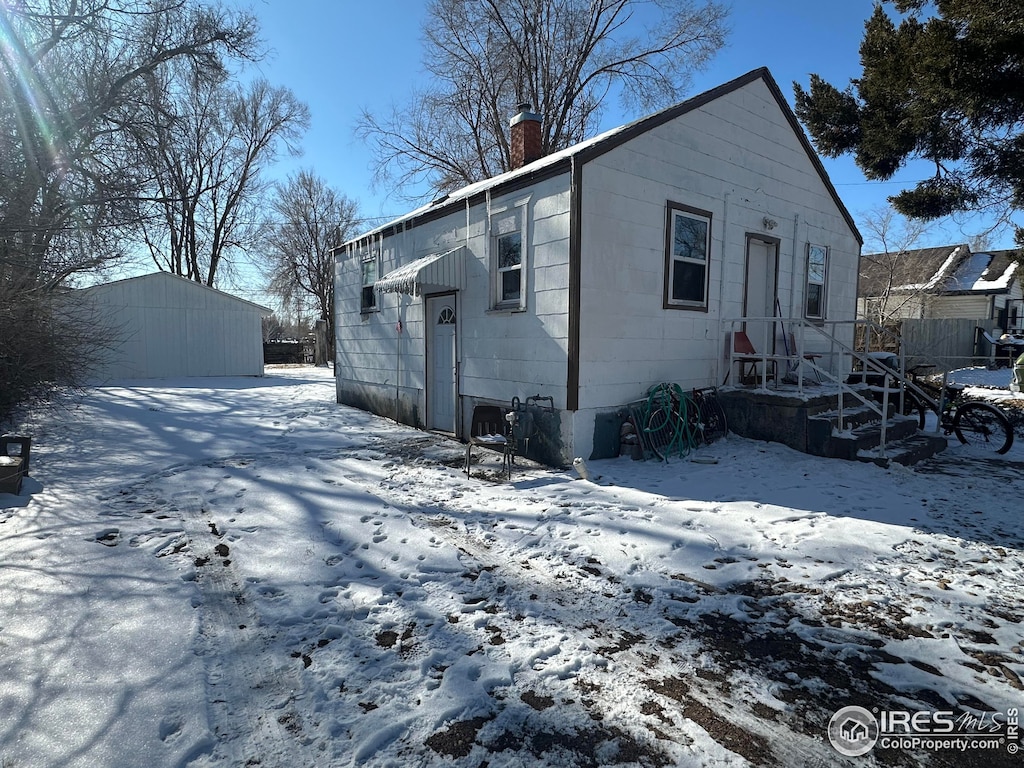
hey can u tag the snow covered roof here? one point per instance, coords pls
(559, 162)
(948, 269)
(988, 272)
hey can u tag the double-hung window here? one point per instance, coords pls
(369, 267)
(508, 256)
(687, 254)
(817, 272)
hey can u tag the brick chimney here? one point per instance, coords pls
(526, 141)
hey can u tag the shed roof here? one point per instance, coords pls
(167, 276)
(559, 162)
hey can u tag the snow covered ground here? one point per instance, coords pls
(214, 572)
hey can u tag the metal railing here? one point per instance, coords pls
(837, 362)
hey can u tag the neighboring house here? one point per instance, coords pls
(943, 282)
(593, 273)
(161, 325)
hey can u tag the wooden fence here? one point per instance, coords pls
(947, 342)
(287, 352)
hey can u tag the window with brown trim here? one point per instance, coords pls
(687, 257)
(817, 273)
(370, 272)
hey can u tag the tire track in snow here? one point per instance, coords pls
(251, 696)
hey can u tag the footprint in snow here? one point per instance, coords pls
(108, 537)
(170, 728)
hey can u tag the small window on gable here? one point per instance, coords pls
(687, 257)
(817, 274)
(508, 257)
(368, 300)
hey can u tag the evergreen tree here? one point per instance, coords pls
(945, 85)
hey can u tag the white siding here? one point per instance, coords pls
(738, 158)
(501, 354)
(166, 326)
(958, 306)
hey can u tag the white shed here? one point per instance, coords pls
(162, 325)
(593, 273)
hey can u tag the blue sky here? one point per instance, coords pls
(341, 56)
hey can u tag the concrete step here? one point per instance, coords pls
(853, 416)
(847, 445)
(812, 425)
(819, 405)
(907, 451)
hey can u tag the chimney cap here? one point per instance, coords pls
(525, 113)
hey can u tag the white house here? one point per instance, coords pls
(593, 273)
(161, 325)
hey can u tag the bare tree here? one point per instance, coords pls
(72, 80)
(561, 56)
(206, 141)
(895, 276)
(309, 218)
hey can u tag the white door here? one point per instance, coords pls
(760, 292)
(441, 362)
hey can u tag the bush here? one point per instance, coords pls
(49, 344)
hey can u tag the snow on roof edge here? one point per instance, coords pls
(695, 101)
(476, 187)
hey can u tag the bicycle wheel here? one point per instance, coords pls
(716, 416)
(665, 430)
(659, 421)
(690, 430)
(721, 421)
(983, 424)
(711, 415)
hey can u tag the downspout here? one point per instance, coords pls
(398, 344)
(793, 303)
(574, 309)
(721, 290)
(460, 417)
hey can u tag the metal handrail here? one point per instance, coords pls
(867, 362)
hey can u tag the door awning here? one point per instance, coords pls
(437, 272)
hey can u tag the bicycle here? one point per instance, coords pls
(665, 421)
(674, 421)
(709, 416)
(972, 421)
